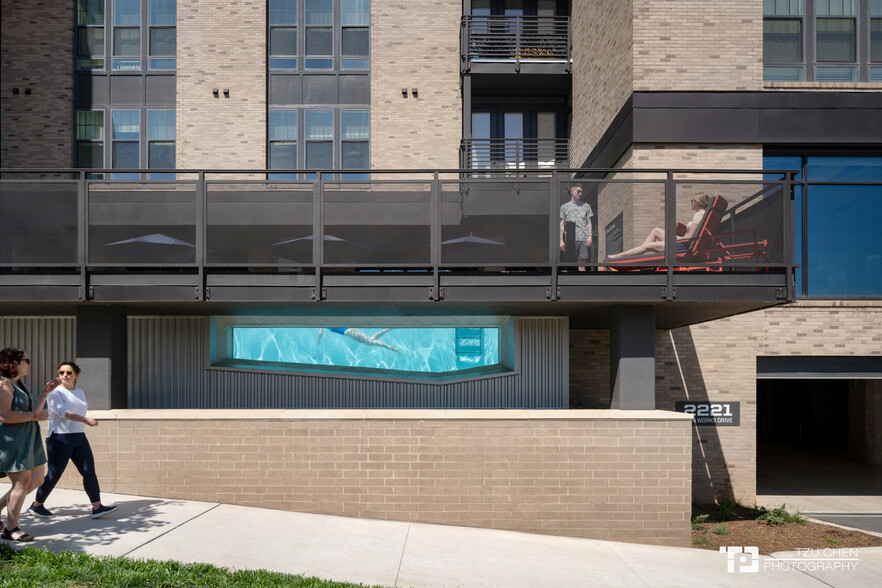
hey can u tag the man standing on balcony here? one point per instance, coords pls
(579, 213)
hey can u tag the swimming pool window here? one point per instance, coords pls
(415, 352)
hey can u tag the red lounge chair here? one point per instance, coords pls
(697, 249)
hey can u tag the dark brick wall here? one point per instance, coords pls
(36, 54)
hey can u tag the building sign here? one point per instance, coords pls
(615, 236)
(712, 414)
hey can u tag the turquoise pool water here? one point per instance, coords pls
(426, 350)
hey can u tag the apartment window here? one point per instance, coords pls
(90, 34)
(125, 137)
(138, 28)
(161, 143)
(163, 44)
(319, 34)
(875, 69)
(130, 148)
(821, 40)
(354, 134)
(331, 138)
(283, 34)
(283, 142)
(319, 137)
(126, 35)
(355, 34)
(90, 138)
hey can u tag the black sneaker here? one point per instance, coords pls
(39, 511)
(102, 510)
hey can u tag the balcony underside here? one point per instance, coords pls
(588, 298)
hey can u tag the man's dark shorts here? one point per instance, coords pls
(582, 251)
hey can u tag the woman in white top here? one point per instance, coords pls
(66, 441)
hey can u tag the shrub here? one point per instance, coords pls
(721, 530)
(779, 516)
(703, 540)
(697, 520)
(726, 511)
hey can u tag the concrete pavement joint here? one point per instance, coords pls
(805, 573)
(401, 559)
(178, 526)
(625, 561)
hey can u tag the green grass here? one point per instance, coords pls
(38, 567)
(721, 530)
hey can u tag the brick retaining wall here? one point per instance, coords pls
(604, 474)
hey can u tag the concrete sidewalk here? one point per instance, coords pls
(391, 553)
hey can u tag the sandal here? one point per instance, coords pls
(23, 538)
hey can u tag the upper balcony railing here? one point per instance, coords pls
(515, 154)
(515, 38)
(84, 225)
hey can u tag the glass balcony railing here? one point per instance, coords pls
(541, 38)
(439, 222)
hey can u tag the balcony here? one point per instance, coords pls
(436, 241)
(514, 154)
(521, 44)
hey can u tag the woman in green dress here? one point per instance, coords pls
(21, 447)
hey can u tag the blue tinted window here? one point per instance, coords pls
(842, 256)
(844, 169)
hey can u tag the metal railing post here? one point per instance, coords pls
(201, 216)
(553, 233)
(670, 217)
(318, 234)
(82, 227)
(436, 217)
(804, 207)
(789, 232)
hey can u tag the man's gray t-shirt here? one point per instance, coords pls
(578, 214)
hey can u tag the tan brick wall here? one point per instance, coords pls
(603, 70)
(36, 129)
(694, 45)
(415, 45)
(605, 475)
(716, 361)
(221, 45)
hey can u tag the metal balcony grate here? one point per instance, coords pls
(516, 37)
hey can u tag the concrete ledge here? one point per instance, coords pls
(604, 474)
(387, 414)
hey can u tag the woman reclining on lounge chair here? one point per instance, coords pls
(655, 241)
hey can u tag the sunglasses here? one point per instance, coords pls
(66, 372)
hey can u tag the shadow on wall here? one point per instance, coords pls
(679, 378)
(589, 369)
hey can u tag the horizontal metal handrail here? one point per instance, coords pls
(428, 220)
(515, 153)
(516, 37)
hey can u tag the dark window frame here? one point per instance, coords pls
(337, 140)
(110, 29)
(865, 69)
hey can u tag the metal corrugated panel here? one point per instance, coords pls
(167, 369)
(48, 341)
(165, 361)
